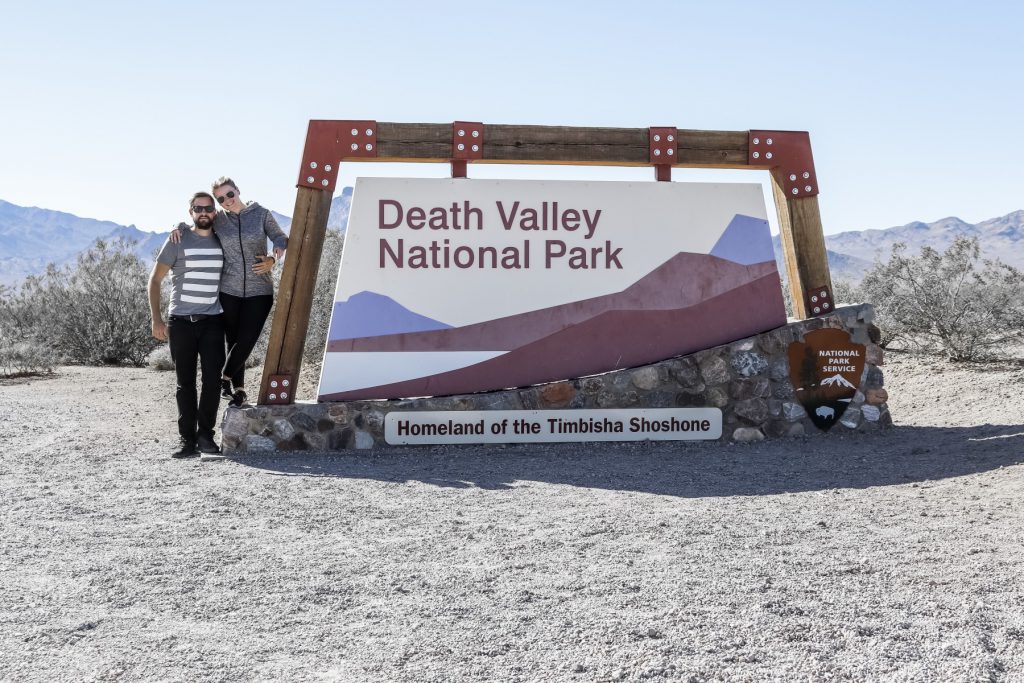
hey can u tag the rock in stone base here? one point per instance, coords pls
(871, 413)
(259, 444)
(746, 434)
(364, 440)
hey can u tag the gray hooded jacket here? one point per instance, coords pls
(243, 237)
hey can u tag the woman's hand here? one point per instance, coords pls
(264, 264)
(177, 233)
(278, 253)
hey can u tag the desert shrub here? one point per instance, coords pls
(950, 302)
(94, 312)
(160, 358)
(25, 358)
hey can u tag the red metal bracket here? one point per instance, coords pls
(662, 151)
(280, 390)
(330, 142)
(788, 154)
(467, 145)
(819, 301)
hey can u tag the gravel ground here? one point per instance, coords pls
(888, 556)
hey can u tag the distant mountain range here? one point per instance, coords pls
(32, 237)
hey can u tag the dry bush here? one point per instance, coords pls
(95, 312)
(951, 302)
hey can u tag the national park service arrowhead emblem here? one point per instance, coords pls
(825, 370)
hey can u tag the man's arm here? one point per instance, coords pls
(155, 278)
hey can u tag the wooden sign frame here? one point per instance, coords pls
(786, 154)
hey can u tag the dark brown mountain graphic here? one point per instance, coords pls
(692, 302)
(682, 281)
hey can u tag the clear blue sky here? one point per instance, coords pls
(119, 110)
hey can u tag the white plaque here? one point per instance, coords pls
(540, 426)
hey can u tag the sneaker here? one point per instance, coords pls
(186, 449)
(238, 398)
(207, 445)
(225, 389)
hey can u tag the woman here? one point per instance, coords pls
(246, 286)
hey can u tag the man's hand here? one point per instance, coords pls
(160, 330)
(264, 264)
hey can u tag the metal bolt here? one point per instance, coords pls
(312, 164)
(476, 148)
(324, 182)
(272, 397)
(768, 155)
(657, 138)
(285, 382)
(807, 188)
(824, 294)
(671, 152)
(309, 179)
(796, 191)
(461, 147)
(476, 133)
(814, 299)
(273, 383)
(792, 176)
(756, 155)
(817, 310)
(767, 141)
(354, 146)
(327, 168)
(369, 132)
(461, 132)
(355, 132)
(369, 148)
(671, 138)
(284, 395)
(757, 141)
(657, 152)
(806, 175)
(825, 305)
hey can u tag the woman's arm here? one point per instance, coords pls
(275, 234)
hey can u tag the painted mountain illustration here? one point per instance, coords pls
(691, 302)
(368, 314)
(746, 241)
(837, 381)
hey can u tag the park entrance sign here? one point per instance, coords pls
(617, 267)
(451, 286)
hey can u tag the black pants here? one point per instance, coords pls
(189, 341)
(243, 321)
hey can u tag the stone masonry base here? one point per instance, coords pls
(748, 379)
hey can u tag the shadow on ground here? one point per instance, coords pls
(897, 456)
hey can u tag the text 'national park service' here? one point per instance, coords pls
(513, 216)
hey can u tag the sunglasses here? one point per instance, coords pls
(223, 197)
(204, 209)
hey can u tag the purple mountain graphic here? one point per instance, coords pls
(746, 241)
(368, 314)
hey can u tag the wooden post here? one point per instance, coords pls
(803, 246)
(295, 296)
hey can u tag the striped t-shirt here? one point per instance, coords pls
(196, 263)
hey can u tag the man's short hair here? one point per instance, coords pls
(197, 195)
(223, 180)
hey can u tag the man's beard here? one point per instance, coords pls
(204, 222)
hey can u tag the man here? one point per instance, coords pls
(195, 323)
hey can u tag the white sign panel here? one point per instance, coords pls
(453, 286)
(540, 426)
